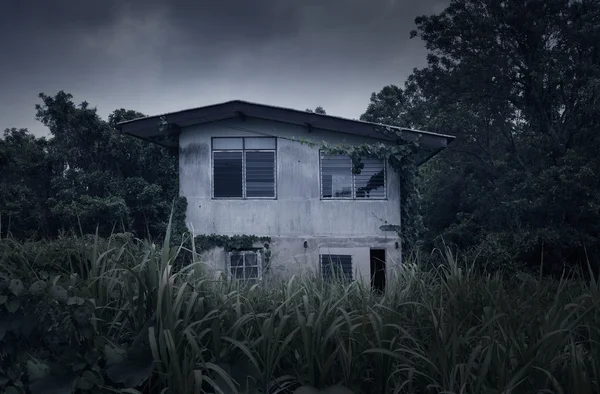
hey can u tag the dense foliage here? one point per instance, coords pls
(86, 177)
(518, 83)
(319, 110)
(92, 315)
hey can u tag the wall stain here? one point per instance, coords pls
(194, 152)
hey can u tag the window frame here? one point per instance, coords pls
(259, 265)
(243, 150)
(325, 255)
(353, 184)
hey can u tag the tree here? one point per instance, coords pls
(86, 175)
(517, 83)
(24, 178)
(318, 110)
(387, 107)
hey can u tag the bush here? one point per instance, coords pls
(115, 315)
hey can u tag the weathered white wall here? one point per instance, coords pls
(298, 213)
(298, 209)
(291, 258)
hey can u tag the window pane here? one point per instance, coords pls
(237, 272)
(237, 259)
(370, 183)
(260, 174)
(252, 273)
(336, 176)
(336, 266)
(250, 259)
(227, 175)
(228, 143)
(259, 143)
(244, 265)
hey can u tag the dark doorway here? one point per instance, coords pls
(378, 270)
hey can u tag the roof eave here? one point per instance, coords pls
(148, 128)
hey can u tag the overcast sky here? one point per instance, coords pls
(157, 56)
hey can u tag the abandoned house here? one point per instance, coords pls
(245, 169)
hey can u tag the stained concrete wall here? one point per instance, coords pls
(289, 256)
(298, 213)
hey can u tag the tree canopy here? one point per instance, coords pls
(518, 84)
(387, 107)
(319, 110)
(85, 175)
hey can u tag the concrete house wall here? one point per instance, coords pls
(298, 213)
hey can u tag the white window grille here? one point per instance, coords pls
(245, 265)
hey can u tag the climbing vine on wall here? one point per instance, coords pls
(401, 157)
(207, 242)
(179, 228)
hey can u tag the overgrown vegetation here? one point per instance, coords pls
(518, 84)
(86, 177)
(401, 156)
(518, 192)
(93, 315)
(228, 243)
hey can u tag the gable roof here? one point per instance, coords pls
(148, 127)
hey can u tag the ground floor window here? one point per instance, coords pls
(245, 265)
(336, 266)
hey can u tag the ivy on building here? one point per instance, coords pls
(401, 157)
(205, 243)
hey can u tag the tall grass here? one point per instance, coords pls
(447, 331)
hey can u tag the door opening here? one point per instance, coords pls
(378, 270)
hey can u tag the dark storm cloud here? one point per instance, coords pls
(161, 55)
(61, 14)
(257, 20)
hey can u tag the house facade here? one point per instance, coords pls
(248, 168)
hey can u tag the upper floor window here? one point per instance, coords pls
(244, 167)
(338, 181)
